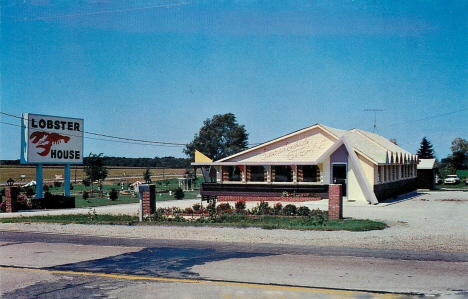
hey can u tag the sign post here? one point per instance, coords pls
(49, 139)
(39, 182)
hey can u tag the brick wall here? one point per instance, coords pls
(149, 201)
(223, 198)
(335, 202)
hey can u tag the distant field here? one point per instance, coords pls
(126, 174)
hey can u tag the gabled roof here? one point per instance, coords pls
(374, 147)
(334, 133)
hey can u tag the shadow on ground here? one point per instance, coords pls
(160, 262)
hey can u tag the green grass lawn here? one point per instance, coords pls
(265, 222)
(97, 200)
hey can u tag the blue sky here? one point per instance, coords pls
(155, 70)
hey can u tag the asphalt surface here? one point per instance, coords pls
(422, 252)
(67, 266)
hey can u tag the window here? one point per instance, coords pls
(232, 173)
(308, 173)
(256, 174)
(282, 173)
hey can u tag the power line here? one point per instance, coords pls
(101, 139)
(429, 117)
(97, 12)
(130, 140)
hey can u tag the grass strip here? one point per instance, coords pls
(240, 221)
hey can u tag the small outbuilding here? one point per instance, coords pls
(369, 167)
(427, 171)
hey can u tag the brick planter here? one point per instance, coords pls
(223, 198)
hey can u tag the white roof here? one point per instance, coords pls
(427, 164)
(376, 148)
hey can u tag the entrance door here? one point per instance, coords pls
(339, 176)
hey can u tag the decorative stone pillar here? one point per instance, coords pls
(335, 202)
(11, 194)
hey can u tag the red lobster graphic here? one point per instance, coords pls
(45, 140)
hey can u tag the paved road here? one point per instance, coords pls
(68, 266)
(423, 251)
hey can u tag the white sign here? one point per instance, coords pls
(51, 140)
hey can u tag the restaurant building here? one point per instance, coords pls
(303, 164)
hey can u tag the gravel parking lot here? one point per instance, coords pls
(423, 221)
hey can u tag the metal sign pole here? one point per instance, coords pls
(67, 180)
(39, 181)
(140, 194)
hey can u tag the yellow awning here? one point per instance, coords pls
(201, 158)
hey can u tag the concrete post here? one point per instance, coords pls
(335, 202)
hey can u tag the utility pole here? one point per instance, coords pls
(375, 117)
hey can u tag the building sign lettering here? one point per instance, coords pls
(296, 149)
(51, 140)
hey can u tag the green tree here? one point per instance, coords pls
(94, 168)
(425, 150)
(459, 153)
(113, 195)
(219, 137)
(147, 175)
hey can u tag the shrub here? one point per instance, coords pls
(176, 210)
(262, 209)
(85, 195)
(290, 210)
(113, 195)
(224, 208)
(196, 207)
(86, 182)
(211, 208)
(303, 211)
(277, 209)
(51, 201)
(240, 206)
(30, 192)
(23, 203)
(179, 193)
(189, 211)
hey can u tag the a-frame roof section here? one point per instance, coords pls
(370, 145)
(332, 132)
(375, 146)
(384, 142)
